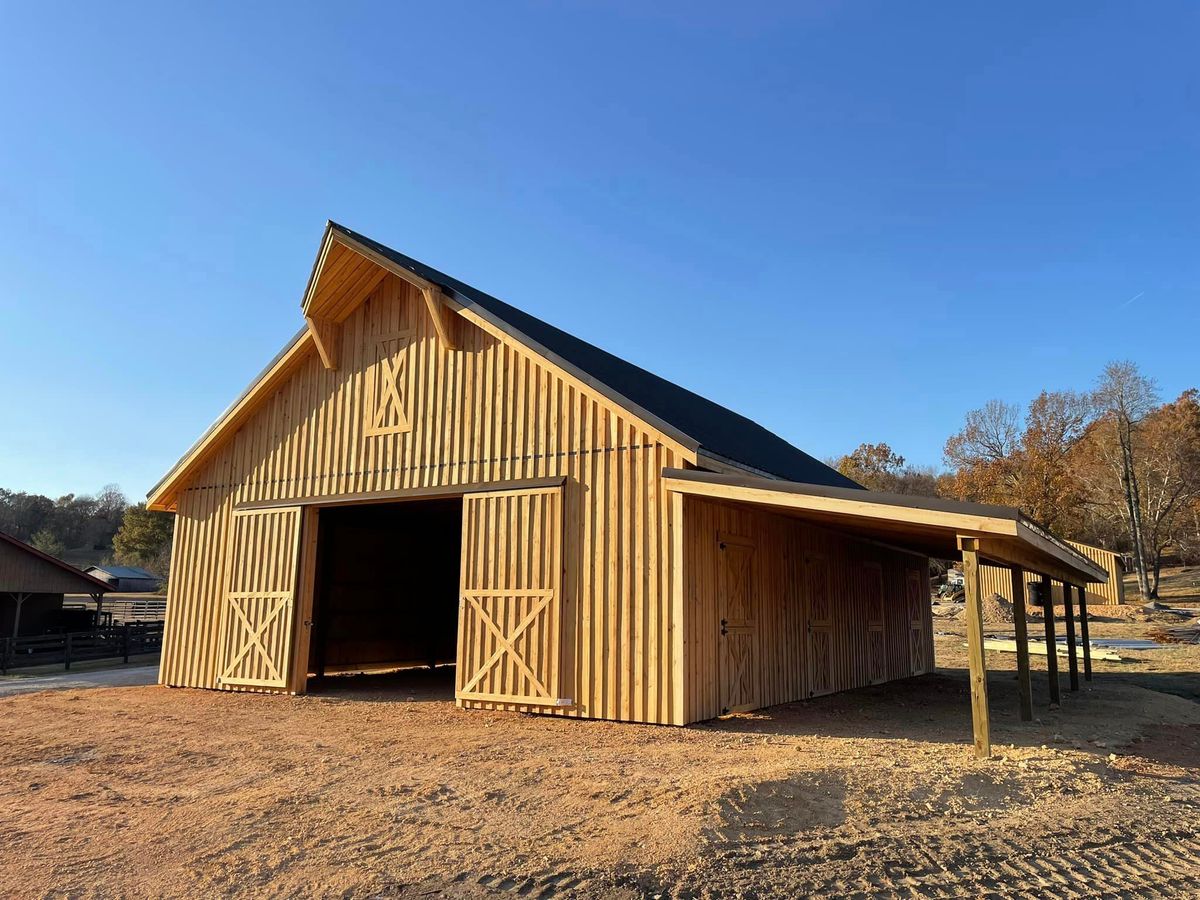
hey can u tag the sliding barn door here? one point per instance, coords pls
(818, 614)
(510, 615)
(263, 560)
(917, 594)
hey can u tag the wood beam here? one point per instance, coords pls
(1024, 691)
(327, 336)
(1051, 645)
(20, 601)
(1012, 553)
(1083, 632)
(978, 667)
(443, 316)
(1072, 654)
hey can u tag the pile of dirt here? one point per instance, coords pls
(996, 611)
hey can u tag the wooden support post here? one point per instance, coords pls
(1072, 653)
(1051, 645)
(1024, 691)
(1083, 633)
(20, 600)
(973, 595)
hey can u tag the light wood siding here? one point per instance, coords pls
(792, 559)
(488, 412)
(996, 579)
(511, 636)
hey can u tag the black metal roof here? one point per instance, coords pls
(718, 430)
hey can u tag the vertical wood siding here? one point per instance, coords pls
(22, 571)
(488, 412)
(996, 580)
(793, 559)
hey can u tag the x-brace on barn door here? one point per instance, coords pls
(263, 561)
(510, 618)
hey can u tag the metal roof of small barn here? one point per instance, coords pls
(718, 430)
(123, 572)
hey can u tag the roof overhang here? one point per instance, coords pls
(927, 525)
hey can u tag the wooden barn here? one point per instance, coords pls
(1109, 593)
(425, 474)
(32, 585)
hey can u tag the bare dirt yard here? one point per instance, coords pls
(380, 787)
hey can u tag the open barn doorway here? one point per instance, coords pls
(385, 604)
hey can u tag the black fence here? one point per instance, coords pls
(121, 641)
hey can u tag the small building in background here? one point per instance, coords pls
(126, 579)
(996, 580)
(32, 584)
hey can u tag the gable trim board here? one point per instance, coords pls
(592, 533)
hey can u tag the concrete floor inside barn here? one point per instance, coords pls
(378, 785)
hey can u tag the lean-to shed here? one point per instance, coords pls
(425, 474)
(32, 585)
(1109, 593)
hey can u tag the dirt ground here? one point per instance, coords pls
(380, 787)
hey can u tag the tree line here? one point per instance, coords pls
(1113, 466)
(103, 527)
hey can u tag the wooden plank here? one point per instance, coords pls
(1083, 630)
(1037, 648)
(1051, 653)
(1072, 655)
(328, 339)
(975, 653)
(1024, 688)
(441, 315)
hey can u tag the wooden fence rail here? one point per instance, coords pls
(122, 641)
(125, 609)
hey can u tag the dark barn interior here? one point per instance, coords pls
(386, 587)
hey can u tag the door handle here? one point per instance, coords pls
(724, 630)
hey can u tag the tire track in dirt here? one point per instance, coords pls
(1112, 862)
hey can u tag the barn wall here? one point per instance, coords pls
(487, 412)
(22, 571)
(997, 580)
(783, 547)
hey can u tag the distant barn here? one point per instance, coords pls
(1111, 593)
(126, 579)
(427, 474)
(32, 584)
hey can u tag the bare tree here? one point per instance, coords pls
(1124, 397)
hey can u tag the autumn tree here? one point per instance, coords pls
(878, 467)
(1148, 491)
(1001, 456)
(1124, 397)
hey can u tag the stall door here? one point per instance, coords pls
(256, 634)
(510, 615)
(876, 642)
(819, 625)
(917, 596)
(735, 601)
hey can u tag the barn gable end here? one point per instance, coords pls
(402, 415)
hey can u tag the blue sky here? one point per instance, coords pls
(849, 221)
